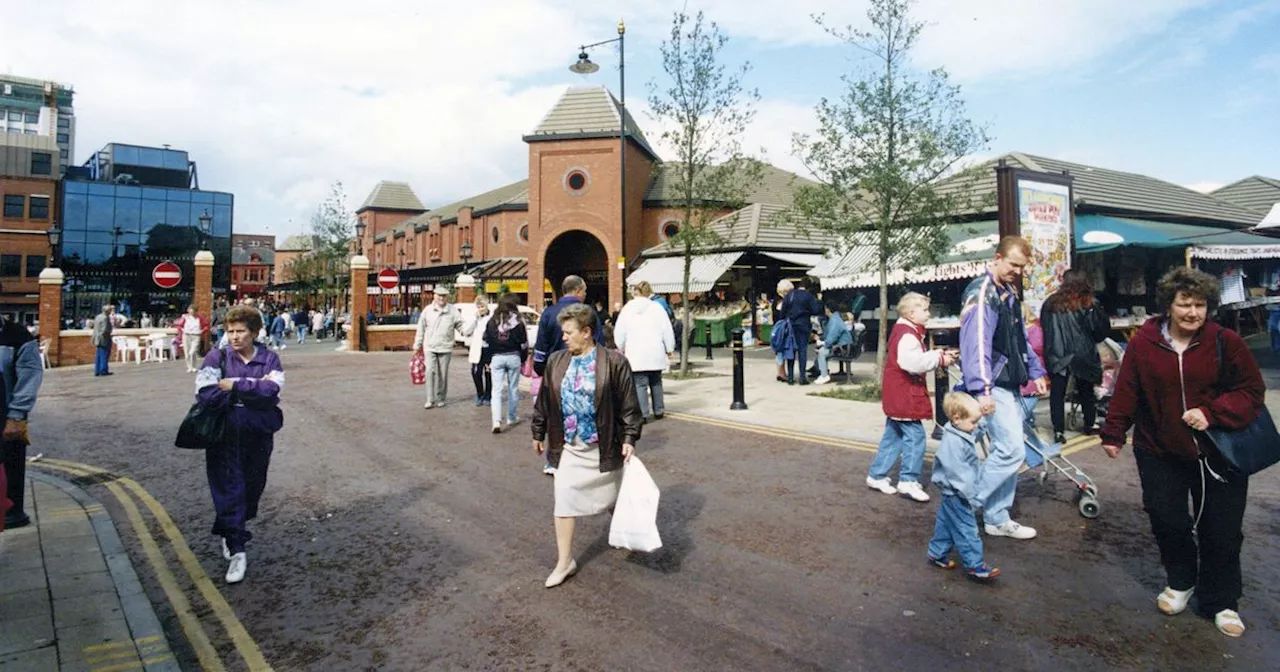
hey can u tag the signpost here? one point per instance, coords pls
(166, 275)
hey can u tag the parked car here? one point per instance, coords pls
(527, 314)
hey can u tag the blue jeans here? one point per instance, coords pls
(956, 527)
(101, 358)
(1273, 326)
(999, 479)
(649, 383)
(505, 370)
(824, 369)
(905, 438)
(802, 355)
(302, 335)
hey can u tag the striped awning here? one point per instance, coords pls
(666, 274)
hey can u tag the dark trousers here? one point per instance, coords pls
(802, 354)
(101, 360)
(483, 380)
(1166, 485)
(14, 457)
(1058, 402)
(237, 476)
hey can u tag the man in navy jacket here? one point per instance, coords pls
(572, 290)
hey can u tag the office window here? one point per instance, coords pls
(64, 122)
(30, 131)
(39, 208)
(63, 137)
(35, 264)
(15, 115)
(41, 163)
(63, 153)
(10, 265)
(15, 206)
(32, 118)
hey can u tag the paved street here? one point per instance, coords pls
(397, 538)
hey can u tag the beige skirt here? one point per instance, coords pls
(581, 490)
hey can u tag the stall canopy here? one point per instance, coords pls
(796, 259)
(972, 245)
(1099, 233)
(666, 274)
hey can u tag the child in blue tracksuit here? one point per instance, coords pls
(955, 472)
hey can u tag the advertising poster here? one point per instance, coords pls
(1044, 212)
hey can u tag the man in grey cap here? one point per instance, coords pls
(436, 327)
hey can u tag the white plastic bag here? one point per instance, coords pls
(635, 518)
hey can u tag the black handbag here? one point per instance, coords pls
(1251, 449)
(204, 427)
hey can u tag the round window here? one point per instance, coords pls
(670, 229)
(494, 234)
(575, 181)
(524, 233)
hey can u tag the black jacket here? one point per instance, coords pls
(618, 416)
(515, 341)
(1071, 340)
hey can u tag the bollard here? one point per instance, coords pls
(739, 393)
(15, 466)
(707, 331)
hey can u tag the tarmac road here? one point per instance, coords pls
(397, 538)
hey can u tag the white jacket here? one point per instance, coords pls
(476, 344)
(436, 327)
(644, 335)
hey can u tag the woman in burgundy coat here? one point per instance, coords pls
(1171, 388)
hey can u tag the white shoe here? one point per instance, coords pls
(822, 380)
(1011, 529)
(283, 346)
(235, 571)
(549, 470)
(558, 578)
(1173, 602)
(513, 423)
(913, 490)
(881, 484)
(226, 552)
(1228, 623)
(428, 405)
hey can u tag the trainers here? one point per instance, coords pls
(942, 563)
(913, 490)
(226, 552)
(822, 380)
(513, 422)
(1173, 602)
(548, 470)
(1011, 529)
(428, 405)
(235, 571)
(497, 428)
(982, 573)
(881, 484)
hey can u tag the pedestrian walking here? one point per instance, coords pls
(506, 348)
(300, 325)
(573, 290)
(193, 328)
(956, 473)
(21, 372)
(279, 324)
(643, 334)
(480, 373)
(245, 379)
(434, 338)
(904, 397)
(587, 422)
(1074, 324)
(997, 360)
(317, 324)
(1182, 374)
(103, 325)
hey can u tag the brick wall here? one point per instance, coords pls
(391, 337)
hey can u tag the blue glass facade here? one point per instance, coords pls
(114, 235)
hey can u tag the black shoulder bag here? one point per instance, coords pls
(1247, 450)
(204, 427)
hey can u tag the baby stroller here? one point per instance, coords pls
(1111, 353)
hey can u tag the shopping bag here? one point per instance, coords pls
(418, 369)
(202, 429)
(635, 517)
(535, 384)
(526, 369)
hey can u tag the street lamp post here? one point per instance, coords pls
(206, 227)
(465, 254)
(360, 227)
(584, 66)
(55, 237)
(403, 302)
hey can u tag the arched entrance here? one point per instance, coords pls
(578, 253)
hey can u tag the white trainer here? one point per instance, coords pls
(881, 484)
(235, 571)
(822, 380)
(548, 470)
(1010, 528)
(913, 490)
(428, 405)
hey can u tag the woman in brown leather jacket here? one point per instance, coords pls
(587, 419)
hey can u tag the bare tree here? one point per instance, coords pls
(324, 267)
(883, 149)
(704, 111)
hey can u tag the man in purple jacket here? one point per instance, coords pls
(998, 360)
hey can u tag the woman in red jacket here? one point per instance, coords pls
(1172, 387)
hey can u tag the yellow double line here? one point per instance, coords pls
(190, 622)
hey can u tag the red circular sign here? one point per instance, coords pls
(388, 278)
(167, 275)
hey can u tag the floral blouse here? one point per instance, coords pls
(578, 400)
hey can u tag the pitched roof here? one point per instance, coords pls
(515, 194)
(242, 255)
(295, 244)
(760, 226)
(776, 186)
(1112, 191)
(389, 195)
(1256, 193)
(588, 112)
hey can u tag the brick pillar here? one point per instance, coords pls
(466, 285)
(359, 299)
(51, 280)
(202, 297)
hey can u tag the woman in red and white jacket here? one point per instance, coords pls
(191, 328)
(1171, 387)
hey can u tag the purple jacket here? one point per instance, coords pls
(255, 398)
(994, 348)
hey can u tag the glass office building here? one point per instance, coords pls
(126, 211)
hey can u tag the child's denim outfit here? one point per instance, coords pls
(955, 472)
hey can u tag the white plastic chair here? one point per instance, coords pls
(134, 346)
(121, 344)
(162, 348)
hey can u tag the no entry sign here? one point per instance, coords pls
(388, 278)
(167, 275)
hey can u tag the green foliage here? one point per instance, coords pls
(704, 112)
(887, 153)
(324, 269)
(869, 391)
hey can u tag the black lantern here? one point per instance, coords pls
(206, 227)
(360, 227)
(55, 237)
(465, 254)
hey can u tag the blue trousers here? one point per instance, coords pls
(237, 474)
(956, 527)
(101, 360)
(999, 478)
(1273, 326)
(905, 438)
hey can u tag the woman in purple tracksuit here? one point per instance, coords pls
(246, 378)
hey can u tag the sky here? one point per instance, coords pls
(276, 100)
